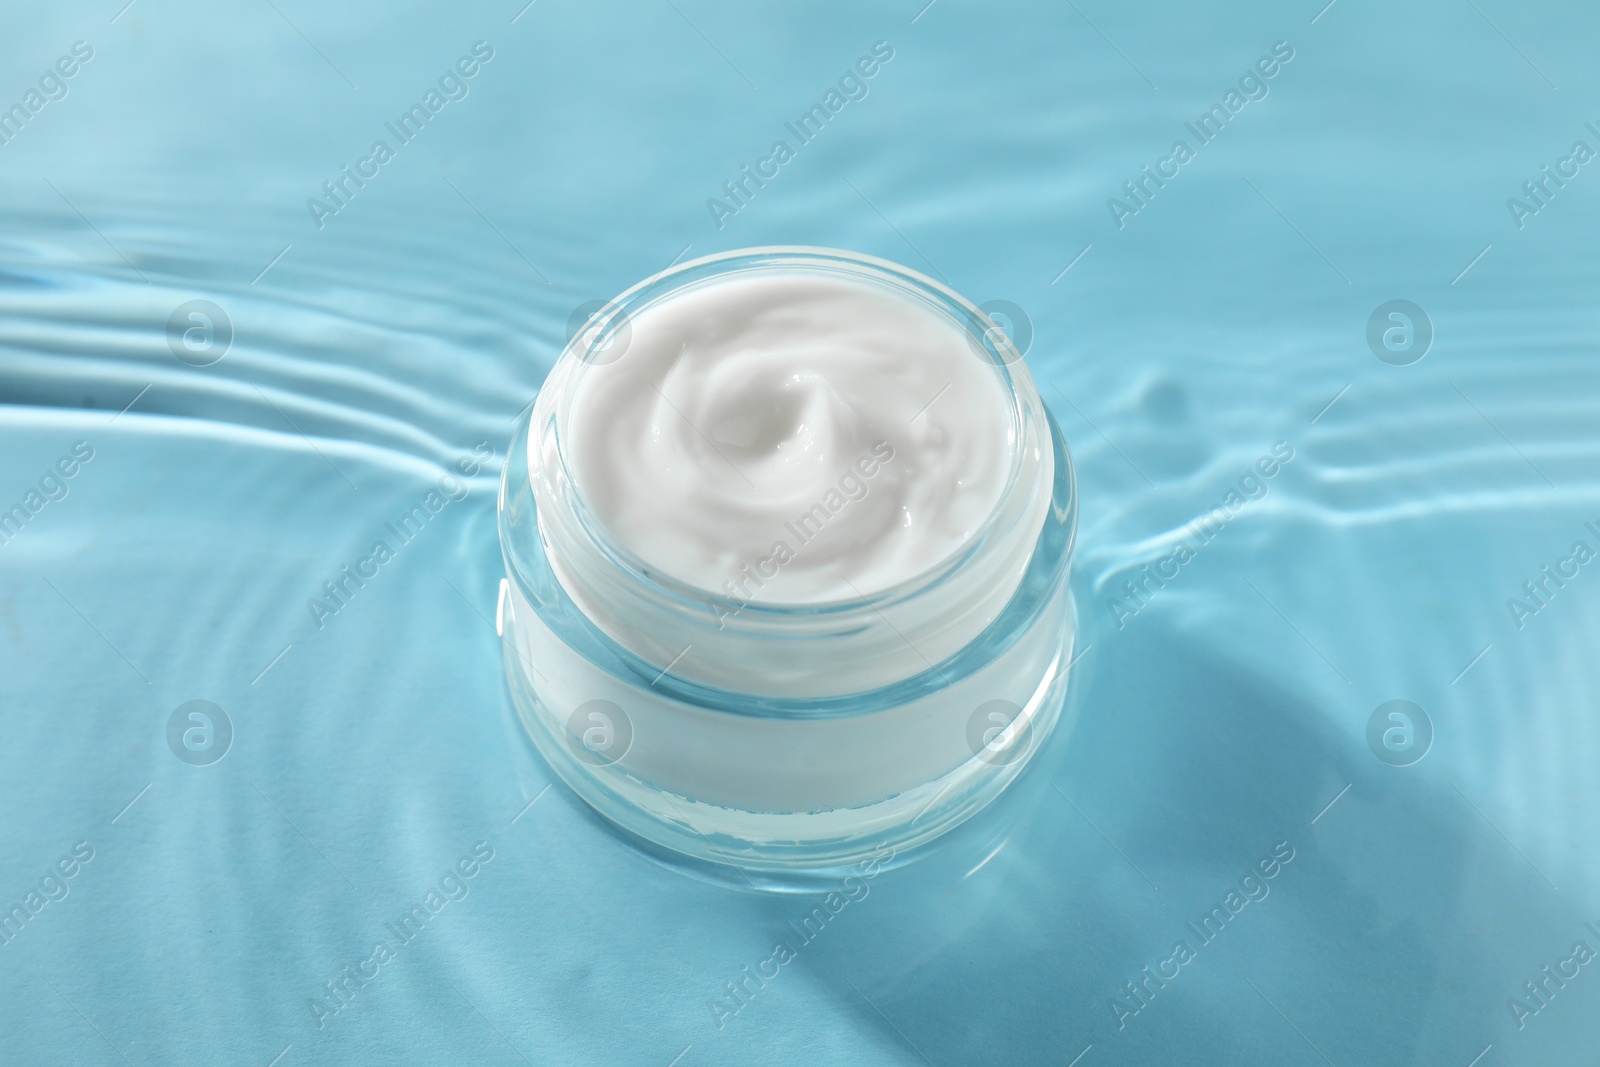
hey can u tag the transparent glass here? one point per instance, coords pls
(786, 738)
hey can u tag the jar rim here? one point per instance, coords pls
(990, 343)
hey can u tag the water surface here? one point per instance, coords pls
(1222, 715)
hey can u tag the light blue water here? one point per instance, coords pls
(1221, 719)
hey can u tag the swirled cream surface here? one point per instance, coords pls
(790, 439)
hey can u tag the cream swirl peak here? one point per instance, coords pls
(790, 439)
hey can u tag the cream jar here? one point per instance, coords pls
(787, 535)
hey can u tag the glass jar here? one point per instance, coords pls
(786, 737)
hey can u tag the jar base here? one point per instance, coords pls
(790, 850)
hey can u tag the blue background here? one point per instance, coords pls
(1228, 314)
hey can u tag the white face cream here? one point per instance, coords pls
(790, 440)
(787, 549)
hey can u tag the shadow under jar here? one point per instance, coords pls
(762, 721)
